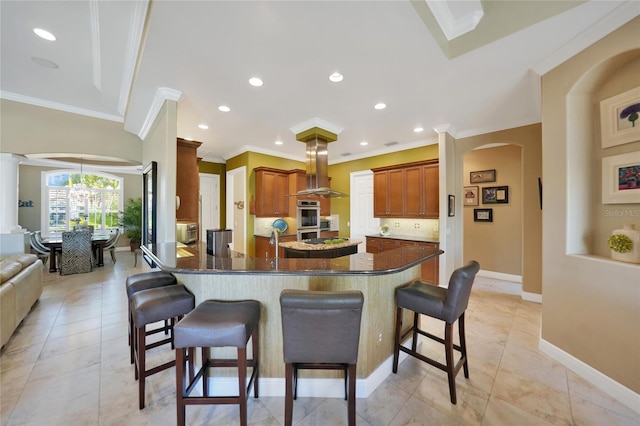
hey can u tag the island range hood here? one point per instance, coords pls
(317, 164)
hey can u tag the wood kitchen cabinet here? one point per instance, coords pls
(388, 194)
(429, 269)
(407, 190)
(272, 190)
(265, 250)
(421, 191)
(187, 180)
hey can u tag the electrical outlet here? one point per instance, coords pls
(397, 224)
(416, 225)
(436, 227)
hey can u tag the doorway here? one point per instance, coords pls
(209, 199)
(236, 213)
(362, 222)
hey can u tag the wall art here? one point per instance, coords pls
(619, 120)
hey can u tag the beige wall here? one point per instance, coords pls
(528, 138)
(496, 245)
(28, 129)
(591, 307)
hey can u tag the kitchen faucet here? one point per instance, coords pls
(274, 240)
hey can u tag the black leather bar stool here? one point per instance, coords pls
(170, 302)
(217, 324)
(446, 304)
(321, 331)
(145, 281)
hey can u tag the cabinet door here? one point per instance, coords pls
(430, 268)
(284, 240)
(413, 205)
(281, 200)
(373, 245)
(265, 193)
(388, 195)
(430, 191)
(396, 193)
(380, 194)
(386, 244)
(263, 249)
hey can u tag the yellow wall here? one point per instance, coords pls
(591, 308)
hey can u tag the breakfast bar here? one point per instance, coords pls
(240, 276)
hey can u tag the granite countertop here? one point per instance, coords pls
(416, 238)
(279, 236)
(194, 259)
(302, 245)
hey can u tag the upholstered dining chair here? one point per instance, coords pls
(77, 256)
(446, 304)
(110, 245)
(321, 330)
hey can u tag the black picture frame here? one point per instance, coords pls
(149, 204)
(481, 176)
(452, 206)
(483, 215)
(495, 195)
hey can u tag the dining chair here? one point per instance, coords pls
(111, 243)
(321, 331)
(77, 256)
(42, 252)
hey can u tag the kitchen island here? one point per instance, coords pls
(239, 276)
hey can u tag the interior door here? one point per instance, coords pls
(362, 221)
(209, 203)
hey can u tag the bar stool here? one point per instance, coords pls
(446, 304)
(216, 324)
(145, 281)
(149, 306)
(321, 331)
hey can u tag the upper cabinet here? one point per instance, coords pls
(407, 190)
(187, 180)
(272, 190)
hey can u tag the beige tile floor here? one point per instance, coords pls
(68, 364)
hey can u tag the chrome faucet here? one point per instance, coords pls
(274, 240)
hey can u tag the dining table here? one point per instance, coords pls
(55, 245)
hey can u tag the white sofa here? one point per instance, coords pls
(20, 287)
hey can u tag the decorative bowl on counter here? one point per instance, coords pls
(280, 225)
(384, 230)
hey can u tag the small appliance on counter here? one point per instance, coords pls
(186, 232)
(218, 242)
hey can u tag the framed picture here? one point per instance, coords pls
(619, 121)
(495, 195)
(483, 215)
(621, 179)
(470, 195)
(452, 206)
(482, 176)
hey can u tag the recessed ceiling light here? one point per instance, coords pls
(418, 129)
(224, 108)
(255, 81)
(279, 142)
(44, 34)
(188, 139)
(380, 105)
(203, 126)
(44, 62)
(363, 143)
(336, 77)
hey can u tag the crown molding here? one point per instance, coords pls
(456, 18)
(162, 94)
(605, 26)
(134, 42)
(10, 96)
(251, 148)
(316, 122)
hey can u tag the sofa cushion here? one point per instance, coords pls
(12, 264)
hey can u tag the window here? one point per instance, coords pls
(67, 202)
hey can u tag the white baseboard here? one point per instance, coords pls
(500, 276)
(609, 386)
(312, 388)
(517, 280)
(531, 297)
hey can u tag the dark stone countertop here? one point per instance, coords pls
(195, 260)
(415, 238)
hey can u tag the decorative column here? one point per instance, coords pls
(9, 192)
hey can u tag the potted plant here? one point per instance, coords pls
(131, 221)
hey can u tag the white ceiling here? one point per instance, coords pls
(119, 59)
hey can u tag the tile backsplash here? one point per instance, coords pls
(429, 228)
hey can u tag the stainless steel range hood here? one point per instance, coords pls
(318, 170)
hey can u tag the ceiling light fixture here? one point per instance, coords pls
(279, 142)
(203, 126)
(44, 62)
(44, 34)
(255, 81)
(418, 129)
(188, 139)
(336, 77)
(224, 108)
(380, 105)
(363, 143)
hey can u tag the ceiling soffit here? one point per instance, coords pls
(500, 19)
